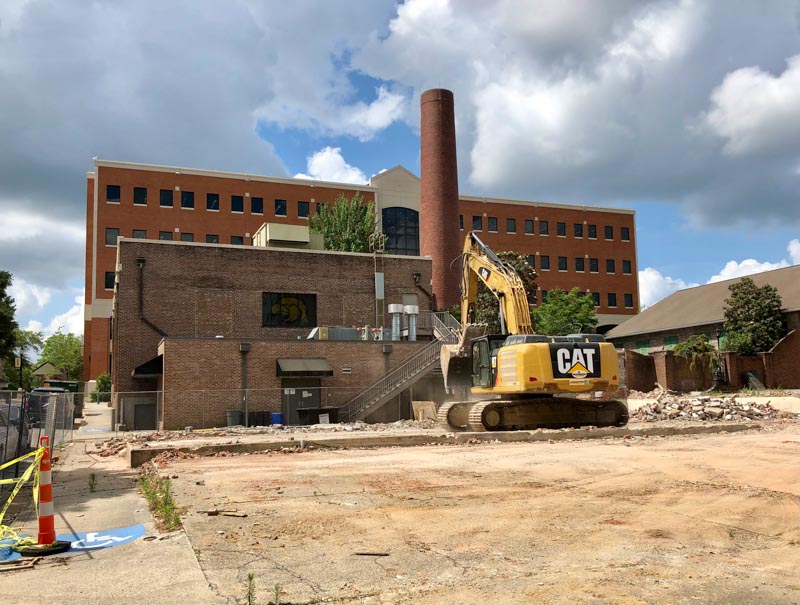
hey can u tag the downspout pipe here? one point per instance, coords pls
(140, 265)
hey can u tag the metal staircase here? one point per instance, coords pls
(444, 328)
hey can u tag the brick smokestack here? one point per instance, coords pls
(439, 233)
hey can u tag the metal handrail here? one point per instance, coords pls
(444, 327)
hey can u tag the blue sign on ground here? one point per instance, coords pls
(93, 540)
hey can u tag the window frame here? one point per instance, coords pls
(630, 267)
(608, 233)
(596, 263)
(187, 200)
(489, 222)
(611, 264)
(162, 198)
(479, 222)
(544, 259)
(117, 199)
(561, 229)
(183, 237)
(214, 235)
(254, 202)
(306, 205)
(237, 204)
(562, 262)
(139, 203)
(241, 237)
(591, 231)
(109, 231)
(511, 225)
(142, 236)
(161, 235)
(285, 204)
(624, 234)
(529, 223)
(113, 275)
(625, 297)
(611, 299)
(212, 203)
(544, 228)
(580, 264)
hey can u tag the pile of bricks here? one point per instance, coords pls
(671, 407)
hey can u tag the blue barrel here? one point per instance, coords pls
(278, 418)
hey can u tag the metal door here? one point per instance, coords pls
(299, 393)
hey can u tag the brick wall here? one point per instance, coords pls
(203, 376)
(638, 372)
(782, 368)
(199, 290)
(673, 373)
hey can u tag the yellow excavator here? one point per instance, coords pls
(519, 380)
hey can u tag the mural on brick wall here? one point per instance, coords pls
(281, 310)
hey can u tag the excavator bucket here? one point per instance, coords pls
(457, 362)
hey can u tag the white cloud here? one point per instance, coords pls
(653, 286)
(756, 111)
(328, 165)
(71, 321)
(29, 298)
(749, 266)
(794, 251)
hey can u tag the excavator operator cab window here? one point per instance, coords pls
(481, 364)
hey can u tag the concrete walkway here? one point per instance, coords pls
(159, 568)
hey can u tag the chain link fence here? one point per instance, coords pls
(26, 417)
(299, 404)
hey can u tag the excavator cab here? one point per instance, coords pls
(484, 359)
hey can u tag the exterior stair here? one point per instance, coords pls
(444, 328)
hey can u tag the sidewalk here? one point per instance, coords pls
(160, 568)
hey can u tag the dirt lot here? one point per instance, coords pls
(706, 519)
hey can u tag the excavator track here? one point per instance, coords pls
(452, 415)
(545, 412)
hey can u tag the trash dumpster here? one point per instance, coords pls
(234, 417)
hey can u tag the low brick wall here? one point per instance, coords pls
(637, 372)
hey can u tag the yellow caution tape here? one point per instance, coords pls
(20, 481)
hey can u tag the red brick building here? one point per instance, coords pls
(200, 324)
(589, 247)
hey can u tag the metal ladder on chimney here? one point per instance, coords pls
(445, 329)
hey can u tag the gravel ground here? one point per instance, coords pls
(702, 519)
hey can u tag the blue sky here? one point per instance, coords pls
(653, 105)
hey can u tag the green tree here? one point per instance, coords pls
(346, 224)
(64, 352)
(565, 313)
(699, 351)
(7, 310)
(753, 318)
(102, 389)
(27, 345)
(487, 308)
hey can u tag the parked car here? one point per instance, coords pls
(38, 402)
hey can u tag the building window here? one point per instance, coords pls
(593, 266)
(612, 299)
(165, 198)
(544, 262)
(109, 285)
(401, 227)
(561, 229)
(493, 224)
(592, 231)
(187, 237)
(625, 234)
(562, 263)
(140, 196)
(477, 223)
(628, 301)
(626, 267)
(461, 222)
(670, 342)
(187, 199)
(528, 227)
(237, 203)
(302, 209)
(279, 310)
(165, 235)
(532, 260)
(140, 233)
(280, 207)
(610, 265)
(608, 232)
(511, 225)
(643, 347)
(112, 234)
(580, 264)
(257, 205)
(212, 238)
(544, 228)
(112, 194)
(212, 202)
(577, 230)
(319, 206)
(237, 240)
(544, 295)
(596, 298)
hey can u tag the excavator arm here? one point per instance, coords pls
(481, 263)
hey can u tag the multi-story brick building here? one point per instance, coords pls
(591, 248)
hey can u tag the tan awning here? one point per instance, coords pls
(304, 367)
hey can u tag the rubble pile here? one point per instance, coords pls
(671, 407)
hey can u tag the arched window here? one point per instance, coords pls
(401, 227)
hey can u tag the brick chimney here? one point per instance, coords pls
(439, 233)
